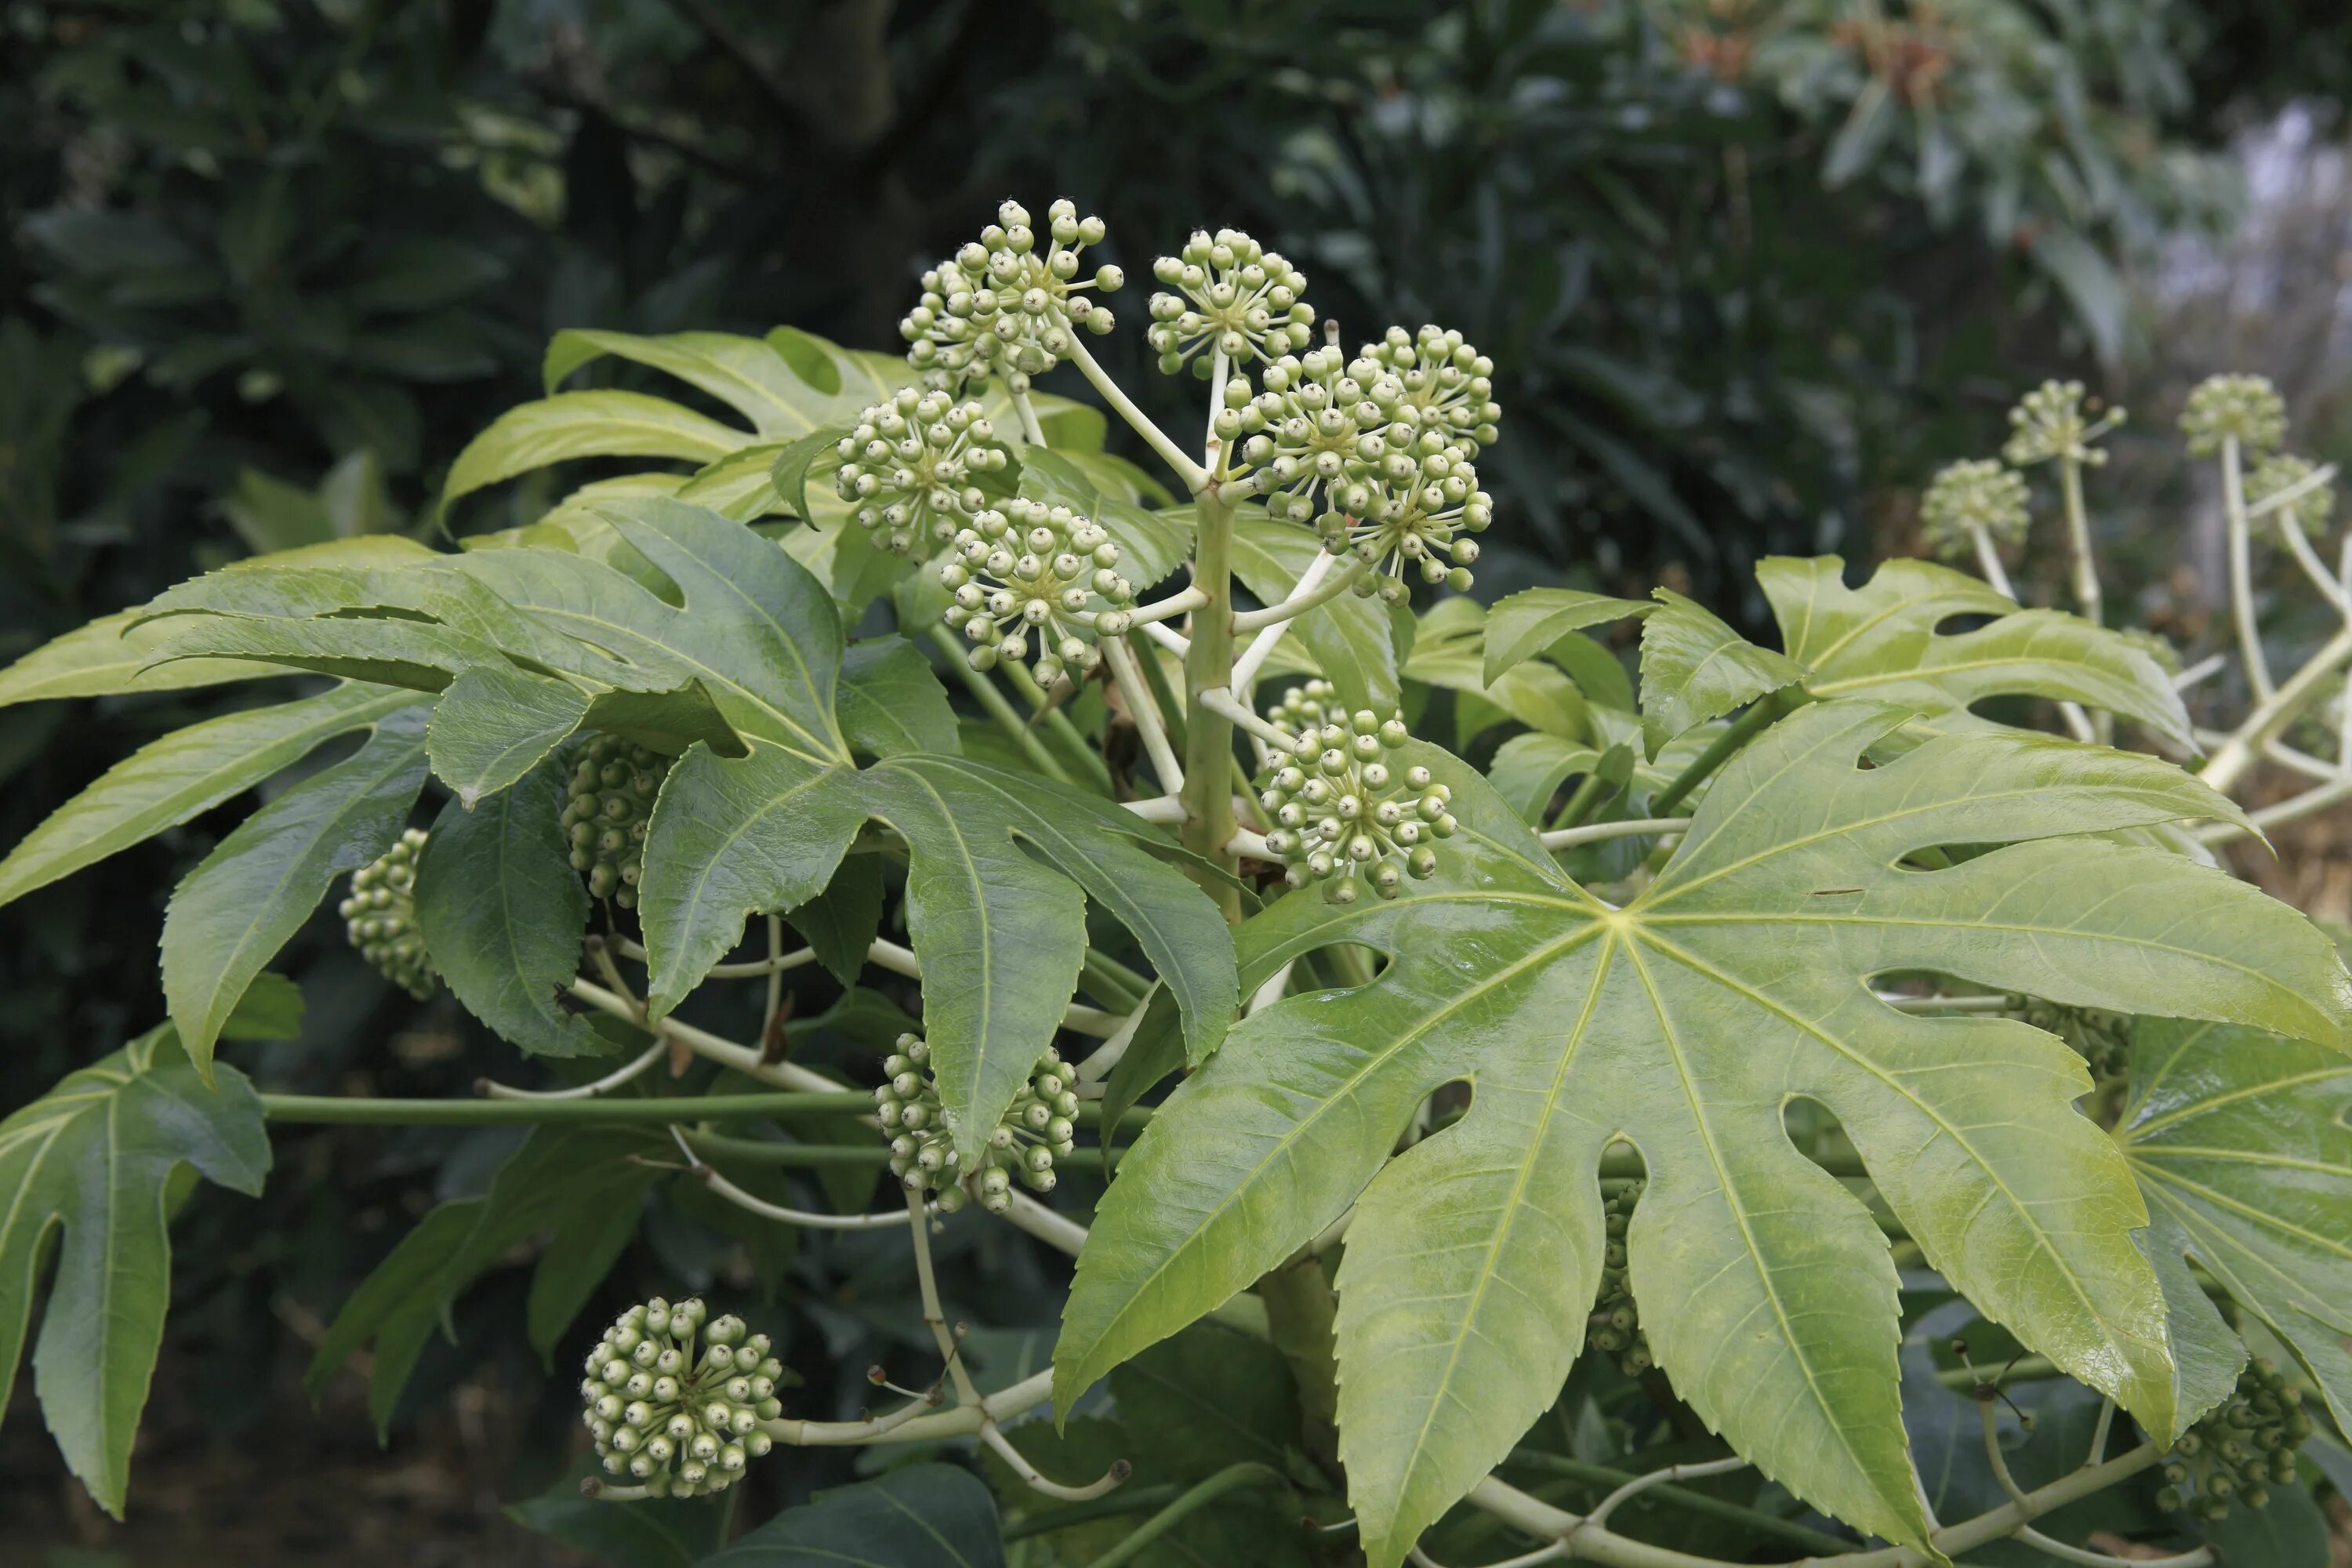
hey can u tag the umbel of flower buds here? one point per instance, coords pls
(380, 916)
(1422, 517)
(908, 470)
(2247, 407)
(1026, 580)
(1449, 382)
(1005, 303)
(2239, 1449)
(607, 802)
(1615, 1326)
(679, 1424)
(2314, 505)
(2053, 421)
(1341, 812)
(1969, 496)
(1036, 1129)
(1232, 295)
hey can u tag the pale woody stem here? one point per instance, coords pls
(1996, 575)
(1145, 712)
(1192, 474)
(1030, 427)
(2274, 713)
(2241, 572)
(2087, 597)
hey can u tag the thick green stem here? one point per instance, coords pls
(1232, 1477)
(342, 1110)
(1208, 666)
(1744, 728)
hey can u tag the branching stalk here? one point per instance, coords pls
(1194, 476)
(2241, 573)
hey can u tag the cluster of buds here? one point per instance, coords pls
(2240, 1449)
(1002, 303)
(1036, 571)
(1425, 520)
(910, 468)
(1340, 812)
(2247, 408)
(2104, 1038)
(1231, 294)
(1615, 1326)
(2314, 504)
(380, 916)
(1449, 383)
(1968, 497)
(2054, 421)
(1037, 1128)
(608, 801)
(679, 1426)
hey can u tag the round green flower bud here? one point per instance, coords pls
(1038, 584)
(2247, 407)
(1342, 811)
(1008, 305)
(1417, 521)
(2314, 506)
(1614, 1327)
(1231, 294)
(1968, 496)
(380, 916)
(2247, 1440)
(1035, 1130)
(912, 470)
(2052, 422)
(691, 1432)
(1449, 382)
(608, 803)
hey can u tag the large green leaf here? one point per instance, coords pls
(586, 424)
(1350, 640)
(891, 704)
(1683, 1024)
(1449, 650)
(494, 723)
(656, 1532)
(190, 771)
(501, 912)
(1694, 668)
(1526, 623)
(119, 653)
(2243, 1147)
(920, 1515)
(1881, 641)
(747, 375)
(230, 915)
(94, 1157)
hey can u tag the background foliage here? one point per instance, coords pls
(1747, 268)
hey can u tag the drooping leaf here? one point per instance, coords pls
(229, 916)
(891, 704)
(1880, 641)
(395, 1309)
(2241, 1147)
(1694, 668)
(586, 424)
(1526, 623)
(1683, 1023)
(841, 923)
(747, 375)
(93, 1157)
(1350, 640)
(920, 1515)
(187, 771)
(501, 911)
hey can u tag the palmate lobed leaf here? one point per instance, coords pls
(93, 1157)
(2243, 1148)
(1683, 1024)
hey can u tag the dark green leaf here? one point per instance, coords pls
(924, 1516)
(842, 922)
(656, 1533)
(891, 704)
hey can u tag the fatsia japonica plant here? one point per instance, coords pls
(1606, 1152)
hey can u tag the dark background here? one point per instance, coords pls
(1747, 270)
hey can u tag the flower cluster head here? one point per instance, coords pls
(1231, 294)
(1448, 381)
(681, 1426)
(1037, 1128)
(607, 802)
(1002, 303)
(1340, 811)
(380, 916)
(2055, 421)
(1423, 516)
(2314, 505)
(2239, 1449)
(1035, 570)
(909, 468)
(2247, 407)
(1967, 497)
(1615, 1326)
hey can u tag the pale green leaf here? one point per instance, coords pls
(1152, 543)
(1694, 668)
(586, 424)
(2243, 1150)
(501, 912)
(1448, 651)
(747, 375)
(229, 916)
(1349, 638)
(190, 771)
(738, 485)
(1683, 1024)
(1881, 641)
(496, 722)
(1526, 623)
(92, 1158)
